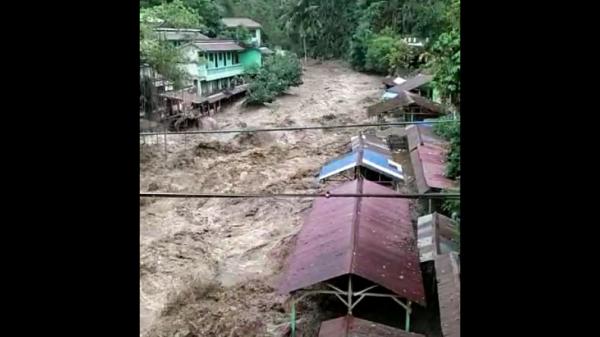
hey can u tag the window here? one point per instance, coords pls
(236, 58)
(220, 56)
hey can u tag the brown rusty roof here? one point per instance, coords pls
(447, 273)
(428, 155)
(385, 106)
(412, 83)
(369, 237)
(404, 99)
(429, 167)
(350, 326)
(424, 102)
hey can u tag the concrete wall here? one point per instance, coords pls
(250, 57)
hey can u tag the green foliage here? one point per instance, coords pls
(173, 14)
(202, 14)
(452, 208)
(208, 10)
(451, 132)
(445, 57)
(445, 64)
(378, 50)
(163, 57)
(278, 73)
(387, 53)
(241, 34)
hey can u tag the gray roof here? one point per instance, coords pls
(181, 34)
(266, 50)
(244, 22)
(412, 83)
(216, 45)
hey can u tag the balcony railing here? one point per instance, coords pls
(228, 71)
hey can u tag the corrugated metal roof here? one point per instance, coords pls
(372, 159)
(386, 105)
(369, 237)
(447, 272)
(244, 22)
(217, 45)
(412, 83)
(403, 99)
(436, 235)
(429, 166)
(424, 102)
(370, 142)
(428, 156)
(392, 81)
(350, 326)
(181, 34)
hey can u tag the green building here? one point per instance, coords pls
(214, 65)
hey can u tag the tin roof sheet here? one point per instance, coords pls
(371, 158)
(369, 237)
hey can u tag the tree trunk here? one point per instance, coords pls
(304, 43)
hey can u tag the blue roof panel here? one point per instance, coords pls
(381, 163)
(340, 164)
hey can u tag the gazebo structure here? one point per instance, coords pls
(350, 241)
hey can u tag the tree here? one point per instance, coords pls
(208, 11)
(163, 57)
(240, 34)
(278, 73)
(388, 53)
(445, 57)
(173, 14)
(303, 19)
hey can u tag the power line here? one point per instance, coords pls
(297, 128)
(299, 195)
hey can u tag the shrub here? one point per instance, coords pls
(451, 132)
(278, 73)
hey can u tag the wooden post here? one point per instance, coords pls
(165, 138)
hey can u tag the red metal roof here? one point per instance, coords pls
(369, 237)
(349, 326)
(428, 156)
(447, 271)
(429, 166)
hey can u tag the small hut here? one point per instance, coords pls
(407, 106)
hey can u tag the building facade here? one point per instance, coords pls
(215, 65)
